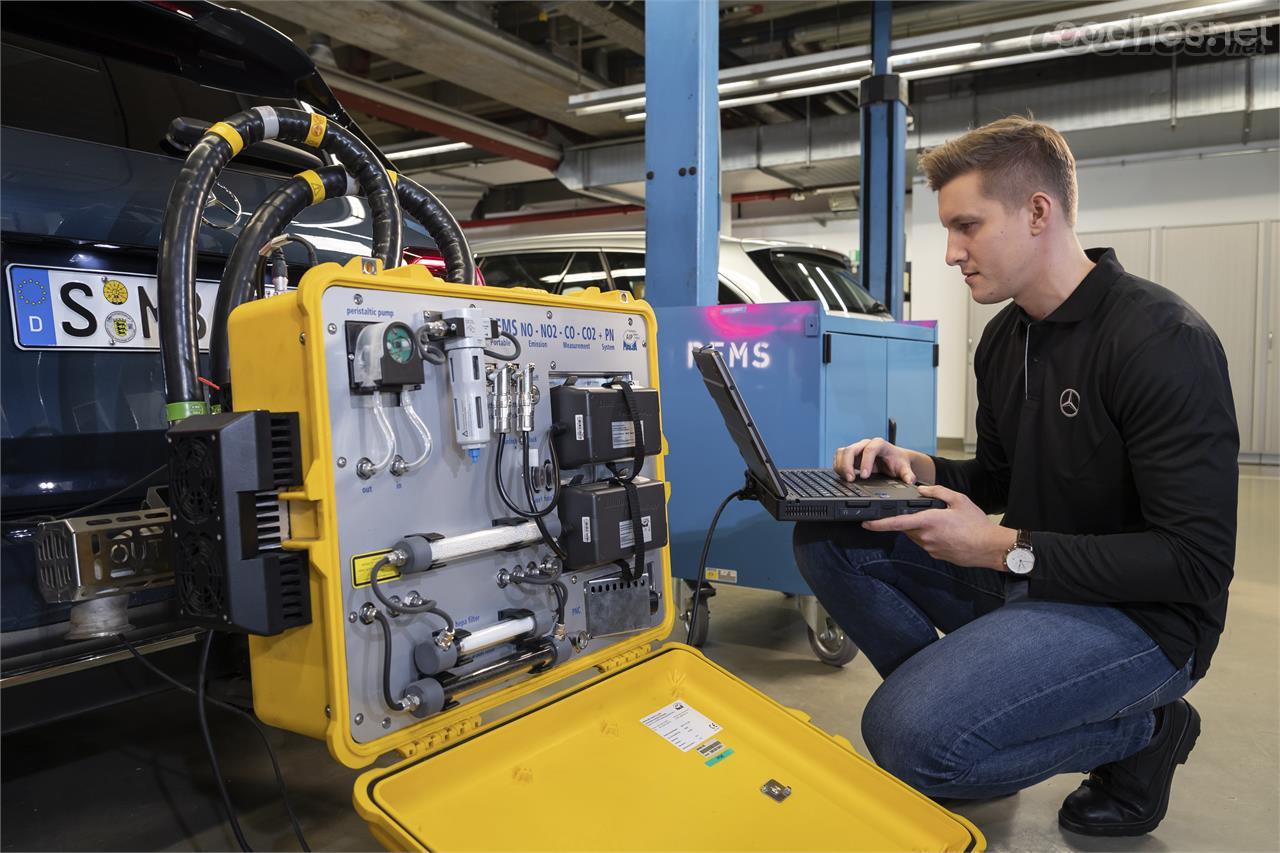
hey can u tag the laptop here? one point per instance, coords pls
(801, 494)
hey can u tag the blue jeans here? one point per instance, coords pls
(1017, 690)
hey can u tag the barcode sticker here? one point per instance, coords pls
(710, 748)
(626, 533)
(579, 428)
(586, 528)
(624, 434)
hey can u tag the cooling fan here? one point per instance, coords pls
(229, 526)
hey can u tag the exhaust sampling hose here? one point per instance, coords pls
(178, 239)
(284, 205)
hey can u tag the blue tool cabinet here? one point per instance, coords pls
(813, 382)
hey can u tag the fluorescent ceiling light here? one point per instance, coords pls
(609, 106)
(820, 73)
(917, 56)
(822, 89)
(631, 103)
(1084, 36)
(424, 150)
(1113, 44)
(428, 149)
(1122, 25)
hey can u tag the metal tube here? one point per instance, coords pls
(524, 398)
(492, 635)
(455, 686)
(503, 399)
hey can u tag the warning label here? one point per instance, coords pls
(362, 566)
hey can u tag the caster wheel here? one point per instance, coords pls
(831, 645)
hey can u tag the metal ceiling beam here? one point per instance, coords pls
(393, 105)
(1125, 109)
(1001, 42)
(614, 24)
(431, 37)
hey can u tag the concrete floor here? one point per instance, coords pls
(135, 777)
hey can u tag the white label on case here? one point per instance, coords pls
(626, 532)
(624, 434)
(680, 726)
(586, 528)
(579, 429)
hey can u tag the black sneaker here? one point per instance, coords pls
(1130, 797)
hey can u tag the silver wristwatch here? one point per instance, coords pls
(1021, 558)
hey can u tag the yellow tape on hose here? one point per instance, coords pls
(229, 134)
(319, 124)
(317, 185)
(392, 175)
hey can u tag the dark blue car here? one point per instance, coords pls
(89, 152)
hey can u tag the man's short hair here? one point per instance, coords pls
(1015, 157)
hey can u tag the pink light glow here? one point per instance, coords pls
(756, 321)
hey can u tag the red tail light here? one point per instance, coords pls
(432, 260)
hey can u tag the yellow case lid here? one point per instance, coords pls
(583, 772)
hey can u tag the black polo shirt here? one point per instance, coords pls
(1108, 430)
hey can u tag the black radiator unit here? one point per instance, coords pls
(225, 475)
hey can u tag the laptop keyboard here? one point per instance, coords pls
(819, 484)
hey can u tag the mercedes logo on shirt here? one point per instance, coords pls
(1069, 402)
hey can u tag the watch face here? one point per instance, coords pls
(1020, 561)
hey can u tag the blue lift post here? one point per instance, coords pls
(814, 380)
(882, 195)
(682, 151)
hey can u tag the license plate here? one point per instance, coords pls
(61, 308)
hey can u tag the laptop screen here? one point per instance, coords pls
(715, 374)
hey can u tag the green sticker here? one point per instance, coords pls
(712, 762)
(187, 408)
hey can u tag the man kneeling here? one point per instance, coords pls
(1107, 436)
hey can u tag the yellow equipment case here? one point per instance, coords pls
(589, 735)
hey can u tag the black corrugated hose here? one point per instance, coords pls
(284, 205)
(180, 231)
(427, 211)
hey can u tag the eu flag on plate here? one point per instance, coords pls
(32, 307)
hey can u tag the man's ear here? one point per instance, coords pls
(1041, 208)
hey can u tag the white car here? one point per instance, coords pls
(751, 271)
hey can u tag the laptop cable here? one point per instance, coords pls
(746, 493)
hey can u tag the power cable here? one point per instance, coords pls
(741, 494)
(208, 745)
(262, 733)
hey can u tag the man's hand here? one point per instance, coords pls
(859, 460)
(960, 534)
